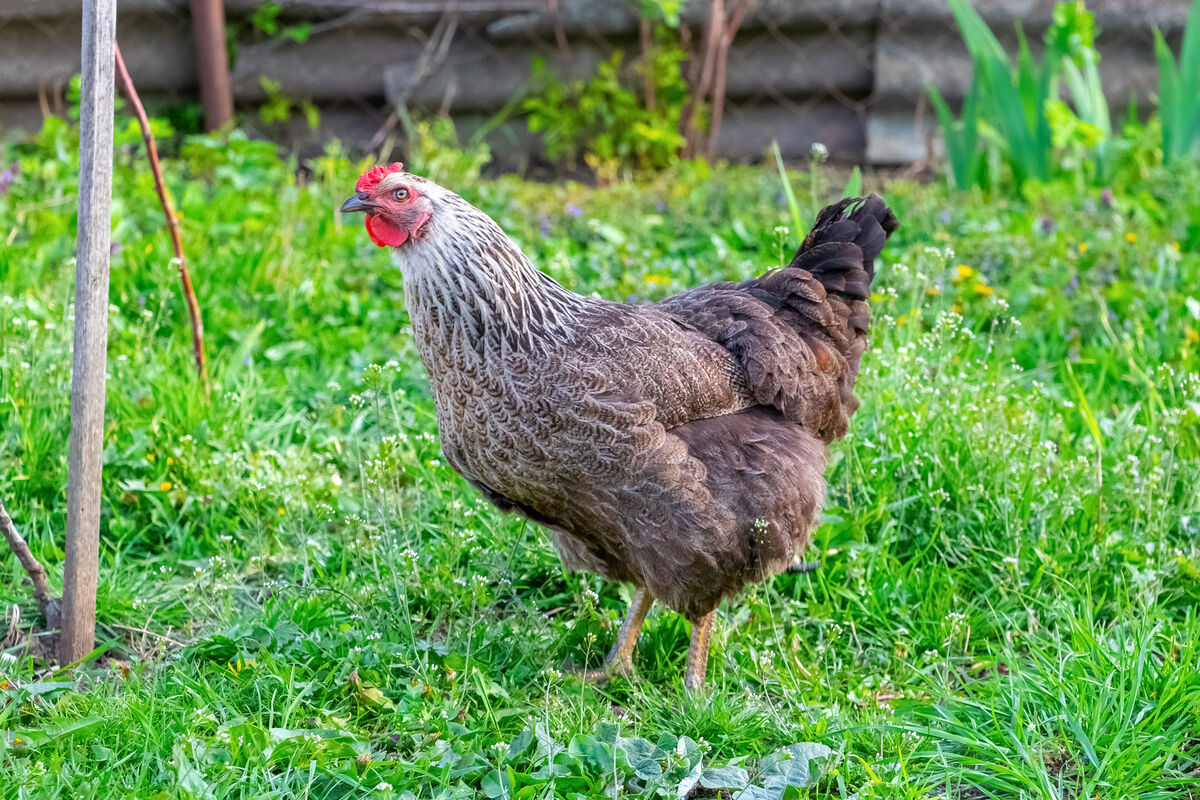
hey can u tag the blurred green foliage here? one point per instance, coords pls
(606, 123)
(1014, 126)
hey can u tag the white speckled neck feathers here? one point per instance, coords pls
(469, 279)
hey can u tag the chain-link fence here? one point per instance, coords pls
(848, 73)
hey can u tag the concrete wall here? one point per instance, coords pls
(848, 73)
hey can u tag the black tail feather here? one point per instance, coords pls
(866, 223)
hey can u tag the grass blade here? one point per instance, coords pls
(854, 184)
(793, 204)
(1168, 97)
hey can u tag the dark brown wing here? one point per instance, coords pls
(799, 332)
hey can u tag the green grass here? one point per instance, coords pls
(1006, 606)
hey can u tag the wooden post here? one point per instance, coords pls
(91, 331)
(212, 62)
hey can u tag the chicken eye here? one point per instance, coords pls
(400, 194)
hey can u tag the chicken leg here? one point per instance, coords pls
(697, 660)
(619, 660)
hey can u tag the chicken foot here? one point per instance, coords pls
(619, 660)
(697, 660)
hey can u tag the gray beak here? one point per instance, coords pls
(359, 202)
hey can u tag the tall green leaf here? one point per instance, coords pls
(853, 184)
(961, 136)
(793, 204)
(1179, 90)
(1011, 98)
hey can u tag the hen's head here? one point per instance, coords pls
(398, 205)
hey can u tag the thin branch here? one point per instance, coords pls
(321, 27)
(646, 34)
(728, 32)
(707, 74)
(189, 295)
(145, 633)
(700, 78)
(433, 55)
(560, 35)
(33, 567)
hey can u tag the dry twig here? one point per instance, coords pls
(146, 632)
(189, 295)
(729, 29)
(706, 76)
(49, 606)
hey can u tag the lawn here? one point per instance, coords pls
(300, 598)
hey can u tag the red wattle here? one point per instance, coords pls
(383, 234)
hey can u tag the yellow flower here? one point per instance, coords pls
(983, 288)
(165, 486)
(170, 461)
(963, 272)
(658, 280)
(876, 297)
(1175, 246)
(1083, 246)
(900, 320)
(1193, 336)
(932, 291)
(240, 666)
(149, 248)
(956, 308)
(280, 512)
(150, 457)
(1131, 237)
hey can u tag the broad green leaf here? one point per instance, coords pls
(40, 689)
(730, 777)
(791, 766)
(74, 727)
(643, 757)
(498, 784)
(519, 744)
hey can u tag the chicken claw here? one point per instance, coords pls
(619, 660)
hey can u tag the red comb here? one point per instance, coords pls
(371, 178)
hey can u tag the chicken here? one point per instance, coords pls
(679, 446)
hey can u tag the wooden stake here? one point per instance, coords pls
(164, 198)
(212, 62)
(91, 331)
